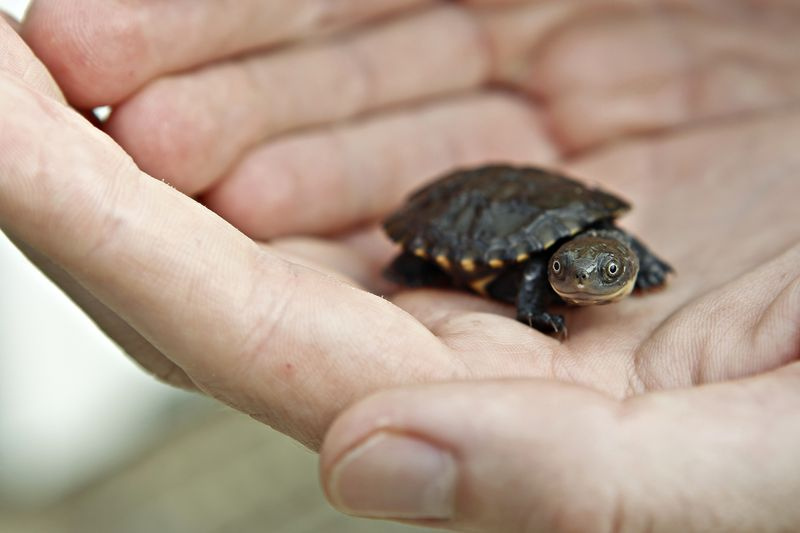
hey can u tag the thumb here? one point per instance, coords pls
(536, 456)
(484, 456)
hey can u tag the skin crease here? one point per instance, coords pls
(701, 109)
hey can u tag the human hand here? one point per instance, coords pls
(626, 451)
(294, 358)
(252, 107)
(533, 455)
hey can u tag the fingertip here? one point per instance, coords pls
(17, 60)
(294, 185)
(95, 50)
(357, 422)
(395, 475)
(166, 137)
(258, 197)
(475, 455)
(351, 433)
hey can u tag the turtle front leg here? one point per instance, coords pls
(653, 271)
(534, 295)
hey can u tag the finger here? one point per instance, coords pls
(477, 329)
(443, 458)
(538, 456)
(128, 339)
(278, 341)
(330, 257)
(17, 60)
(622, 69)
(721, 333)
(373, 245)
(368, 167)
(90, 46)
(490, 342)
(369, 247)
(359, 257)
(487, 342)
(418, 303)
(170, 122)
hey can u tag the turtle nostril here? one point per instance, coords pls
(582, 275)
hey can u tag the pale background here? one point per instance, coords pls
(90, 443)
(61, 381)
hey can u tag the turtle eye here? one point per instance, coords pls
(556, 266)
(612, 269)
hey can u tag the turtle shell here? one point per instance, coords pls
(496, 214)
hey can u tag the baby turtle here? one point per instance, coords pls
(527, 236)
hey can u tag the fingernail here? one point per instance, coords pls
(395, 476)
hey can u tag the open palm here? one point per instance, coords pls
(284, 332)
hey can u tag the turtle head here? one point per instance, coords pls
(596, 267)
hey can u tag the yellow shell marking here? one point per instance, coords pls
(496, 263)
(468, 265)
(522, 257)
(479, 285)
(443, 262)
(420, 252)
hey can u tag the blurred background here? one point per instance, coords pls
(90, 443)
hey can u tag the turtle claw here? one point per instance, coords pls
(547, 323)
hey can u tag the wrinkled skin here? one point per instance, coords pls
(690, 113)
